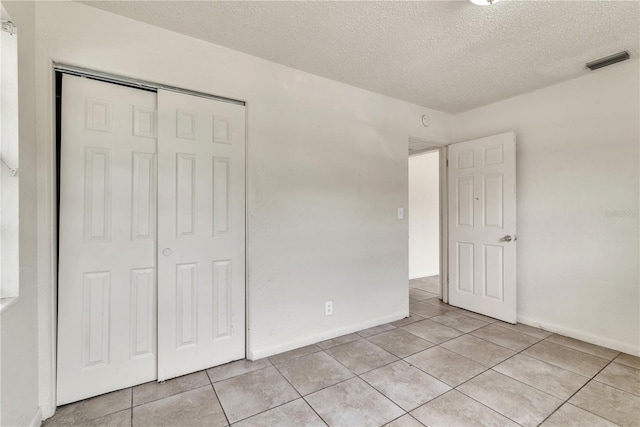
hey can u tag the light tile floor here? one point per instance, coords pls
(441, 366)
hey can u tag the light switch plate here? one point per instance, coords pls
(400, 213)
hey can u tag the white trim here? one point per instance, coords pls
(444, 224)
(247, 317)
(47, 245)
(36, 421)
(291, 345)
(580, 335)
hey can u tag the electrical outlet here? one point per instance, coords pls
(328, 308)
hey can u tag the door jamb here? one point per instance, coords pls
(444, 214)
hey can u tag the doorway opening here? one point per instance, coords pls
(427, 222)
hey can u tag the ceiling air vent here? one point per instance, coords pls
(608, 60)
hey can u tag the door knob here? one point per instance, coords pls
(507, 238)
(167, 252)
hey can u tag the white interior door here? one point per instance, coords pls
(482, 226)
(106, 282)
(201, 232)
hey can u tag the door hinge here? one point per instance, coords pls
(447, 162)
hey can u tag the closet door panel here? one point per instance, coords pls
(201, 233)
(107, 255)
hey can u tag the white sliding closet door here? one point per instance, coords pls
(201, 233)
(106, 283)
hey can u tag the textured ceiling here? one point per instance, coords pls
(447, 55)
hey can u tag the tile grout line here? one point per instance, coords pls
(535, 388)
(301, 395)
(577, 391)
(518, 332)
(456, 389)
(458, 336)
(217, 397)
(235, 376)
(487, 369)
(408, 355)
(339, 382)
(266, 410)
(500, 324)
(295, 357)
(366, 338)
(537, 358)
(93, 397)
(170, 395)
(410, 364)
(385, 396)
(463, 333)
(262, 412)
(583, 386)
(355, 375)
(397, 418)
(581, 351)
(131, 414)
(612, 386)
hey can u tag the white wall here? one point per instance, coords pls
(424, 215)
(578, 199)
(327, 170)
(19, 323)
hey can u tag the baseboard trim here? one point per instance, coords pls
(36, 421)
(47, 411)
(291, 345)
(581, 335)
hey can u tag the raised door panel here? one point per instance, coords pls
(465, 205)
(143, 312)
(221, 196)
(493, 266)
(221, 301)
(96, 315)
(465, 261)
(185, 205)
(143, 183)
(97, 195)
(186, 305)
(493, 200)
